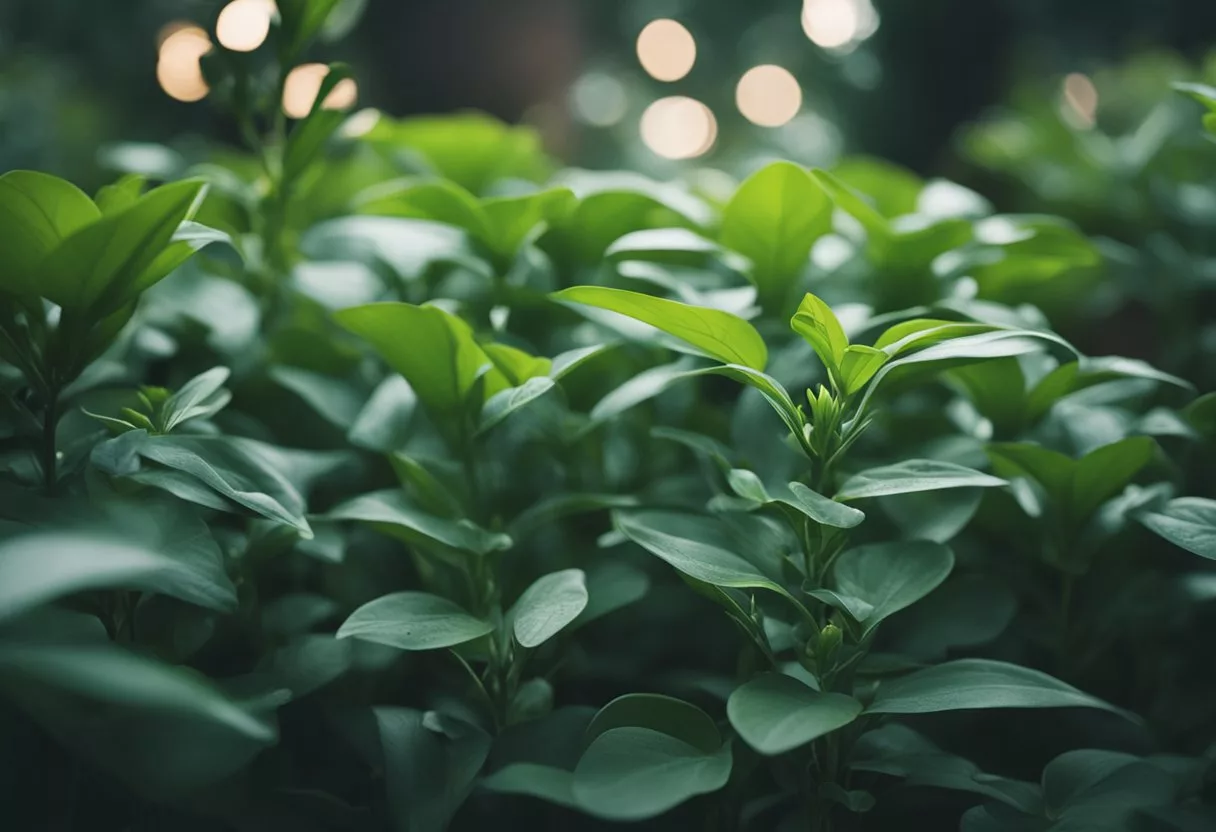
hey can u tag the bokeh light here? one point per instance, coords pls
(244, 24)
(1079, 100)
(303, 84)
(838, 25)
(666, 50)
(768, 95)
(177, 67)
(679, 127)
(598, 99)
(360, 123)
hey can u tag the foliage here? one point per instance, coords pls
(347, 522)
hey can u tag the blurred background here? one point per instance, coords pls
(655, 85)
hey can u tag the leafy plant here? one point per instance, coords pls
(455, 490)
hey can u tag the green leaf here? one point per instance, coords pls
(775, 713)
(773, 219)
(392, 508)
(434, 351)
(107, 675)
(858, 366)
(775, 394)
(551, 784)
(1204, 94)
(636, 773)
(413, 621)
(122, 194)
(1077, 487)
(1073, 376)
(516, 220)
(1187, 522)
(664, 714)
(302, 21)
(409, 247)
(214, 471)
(101, 266)
(505, 402)
(914, 475)
(673, 246)
(548, 606)
(923, 332)
(38, 212)
(968, 684)
(718, 334)
(308, 137)
(430, 764)
(41, 567)
(436, 200)
(965, 612)
(610, 587)
(821, 509)
(472, 149)
(694, 558)
(200, 397)
(891, 576)
(963, 351)
(853, 203)
(898, 751)
(817, 323)
(333, 400)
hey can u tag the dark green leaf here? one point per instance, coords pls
(914, 475)
(980, 683)
(413, 621)
(548, 606)
(636, 773)
(775, 714)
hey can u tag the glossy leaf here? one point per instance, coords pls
(413, 621)
(773, 219)
(548, 606)
(775, 713)
(710, 564)
(1187, 522)
(891, 576)
(912, 476)
(718, 334)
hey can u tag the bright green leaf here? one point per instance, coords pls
(720, 335)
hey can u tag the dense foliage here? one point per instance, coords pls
(381, 476)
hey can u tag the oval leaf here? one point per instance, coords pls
(548, 605)
(637, 773)
(775, 713)
(413, 621)
(891, 576)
